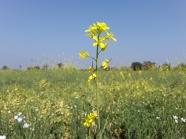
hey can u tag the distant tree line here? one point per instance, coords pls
(148, 65)
(136, 66)
(46, 67)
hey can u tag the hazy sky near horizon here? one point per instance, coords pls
(37, 32)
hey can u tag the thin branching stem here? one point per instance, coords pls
(97, 94)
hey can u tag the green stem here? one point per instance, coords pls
(92, 58)
(97, 94)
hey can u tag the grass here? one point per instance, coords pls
(52, 104)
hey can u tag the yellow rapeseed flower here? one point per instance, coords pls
(87, 123)
(122, 75)
(104, 46)
(90, 69)
(92, 28)
(110, 36)
(105, 63)
(89, 119)
(93, 76)
(94, 32)
(139, 72)
(92, 115)
(102, 26)
(99, 42)
(83, 54)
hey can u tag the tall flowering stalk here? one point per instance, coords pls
(99, 33)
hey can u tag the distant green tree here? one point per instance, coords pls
(148, 65)
(59, 65)
(136, 66)
(5, 67)
(36, 67)
(33, 68)
(30, 68)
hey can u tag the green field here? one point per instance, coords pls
(53, 104)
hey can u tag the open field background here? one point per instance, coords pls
(52, 104)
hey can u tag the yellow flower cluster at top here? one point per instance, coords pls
(95, 31)
(101, 41)
(89, 119)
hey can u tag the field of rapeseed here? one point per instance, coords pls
(55, 103)
(73, 104)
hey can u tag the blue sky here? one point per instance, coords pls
(36, 32)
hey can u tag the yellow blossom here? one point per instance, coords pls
(92, 115)
(90, 69)
(92, 28)
(129, 75)
(139, 72)
(102, 26)
(110, 36)
(99, 41)
(95, 31)
(122, 75)
(93, 76)
(87, 123)
(89, 119)
(83, 54)
(104, 47)
(105, 63)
